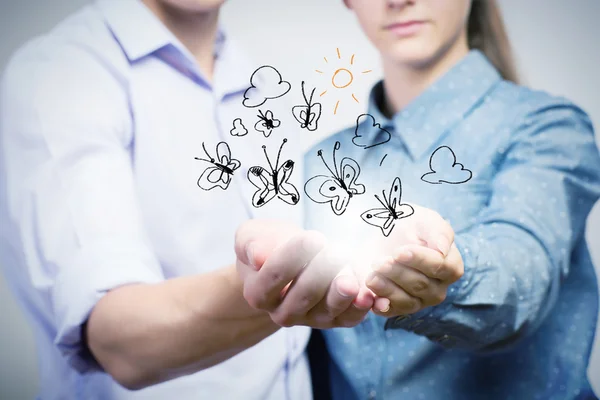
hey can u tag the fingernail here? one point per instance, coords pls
(386, 305)
(348, 282)
(250, 255)
(442, 245)
(376, 283)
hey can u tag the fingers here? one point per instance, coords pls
(429, 262)
(400, 302)
(435, 231)
(311, 286)
(340, 295)
(416, 284)
(263, 289)
(454, 265)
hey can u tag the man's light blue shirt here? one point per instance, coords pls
(102, 119)
(521, 321)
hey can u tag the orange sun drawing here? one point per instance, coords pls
(341, 78)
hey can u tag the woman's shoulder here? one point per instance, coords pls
(528, 105)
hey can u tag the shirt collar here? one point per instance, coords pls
(140, 33)
(437, 110)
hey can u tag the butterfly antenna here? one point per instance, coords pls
(261, 115)
(304, 94)
(267, 156)
(382, 203)
(279, 153)
(320, 154)
(335, 165)
(206, 152)
(387, 200)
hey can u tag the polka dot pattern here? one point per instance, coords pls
(518, 222)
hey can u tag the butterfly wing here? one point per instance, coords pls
(313, 118)
(326, 189)
(261, 126)
(286, 191)
(213, 177)
(300, 113)
(350, 170)
(263, 181)
(223, 153)
(395, 201)
(381, 218)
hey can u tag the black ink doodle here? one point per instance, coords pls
(381, 162)
(393, 210)
(265, 83)
(445, 169)
(238, 128)
(338, 187)
(220, 172)
(266, 123)
(274, 182)
(361, 140)
(308, 115)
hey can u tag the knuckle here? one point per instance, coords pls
(305, 302)
(273, 276)
(420, 286)
(283, 319)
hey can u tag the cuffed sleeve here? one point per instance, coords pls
(519, 250)
(66, 134)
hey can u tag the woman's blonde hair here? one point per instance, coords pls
(486, 32)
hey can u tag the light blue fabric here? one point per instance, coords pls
(521, 321)
(101, 121)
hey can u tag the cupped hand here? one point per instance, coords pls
(298, 277)
(420, 261)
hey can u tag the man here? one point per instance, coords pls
(124, 265)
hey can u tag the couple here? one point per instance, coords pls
(130, 278)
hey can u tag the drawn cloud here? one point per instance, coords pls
(364, 123)
(238, 128)
(445, 169)
(265, 83)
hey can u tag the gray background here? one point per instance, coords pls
(556, 44)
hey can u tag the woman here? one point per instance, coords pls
(119, 200)
(514, 171)
(503, 304)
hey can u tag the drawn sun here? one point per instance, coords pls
(341, 78)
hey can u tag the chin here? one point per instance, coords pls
(415, 54)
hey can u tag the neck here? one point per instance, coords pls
(196, 31)
(403, 83)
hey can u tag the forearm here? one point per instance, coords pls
(509, 285)
(147, 334)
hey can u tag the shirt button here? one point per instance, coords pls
(372, 394)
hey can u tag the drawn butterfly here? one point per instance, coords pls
(220, 172)
(393, 210)
(273, 183)
(266, 123)
(338, 187)
(308, 115)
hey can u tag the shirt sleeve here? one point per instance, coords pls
(519, 250)
(71, 198)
